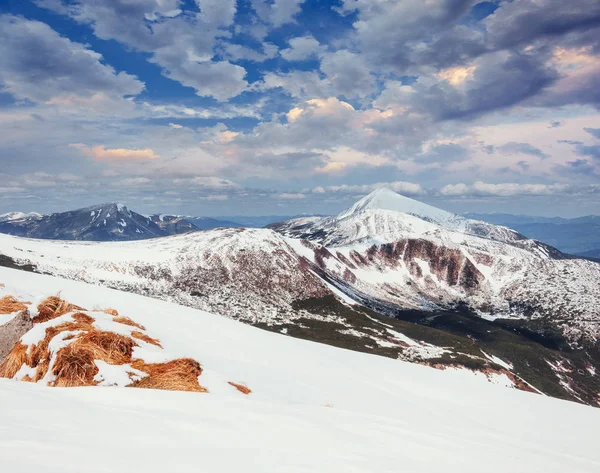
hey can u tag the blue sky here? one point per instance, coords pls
(222, 107)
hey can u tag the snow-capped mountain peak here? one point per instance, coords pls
(10, 216)
(386, 199)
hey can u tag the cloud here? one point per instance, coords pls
(455, 189)
(217, 12)
(595, 132)
(506, 189)
(289, 196)
(344, 74)
(402, 187)
(180, 44)
(277, 12)
(302, 48)
(237, 52)
(117, 155)
(522, 148)
(37, 64)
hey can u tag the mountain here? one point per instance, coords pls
(388, 277)
(309, 408)
(105, 222)
(262, 221)
(208, 223)
(10, 216)
(173, 224)
(575, 236)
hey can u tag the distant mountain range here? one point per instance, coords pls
(105, 222)
(115, 222)
(578, 236)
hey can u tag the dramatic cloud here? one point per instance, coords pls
(206, 104)
(182, 45)
(37, 64)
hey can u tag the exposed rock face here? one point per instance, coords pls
(12, 331)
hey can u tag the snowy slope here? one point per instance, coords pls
(398, 214)
(313, 408)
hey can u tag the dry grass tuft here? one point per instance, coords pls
(110, 347)
(40, 353)
(112, 312)
(128, 321)
(241, 388)
(83, 318)
(53, 307)
(14, 360)
(74, 366)
(8, 305)
(177, 375)
(146, 338)
(2, 284)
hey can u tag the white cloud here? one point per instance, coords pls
(68, 73)
(302, 48)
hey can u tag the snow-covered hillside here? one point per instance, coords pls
(312, 408)
(452, 295)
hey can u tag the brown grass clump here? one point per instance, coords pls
(127, 321)
(83, 318)
(177, 375)
(74, 366)
(14, 361)
(2, 284)
(112, 312)
(241, 388)
(53, 307)
(110, 347)
(146, 338)
(8, 305)
(40, 353)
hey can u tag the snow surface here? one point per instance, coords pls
(314, 408)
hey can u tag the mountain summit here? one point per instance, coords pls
(385, 216)
(386, 199)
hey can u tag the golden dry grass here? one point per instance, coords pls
(83, 318)
(74, 366)
(40, 351)
(112, 312)
(110, 347)
(53, 307)
(146, 338)
(9, 304)
(127, 321)
(14, 360)
(177, 375)
(241, 388)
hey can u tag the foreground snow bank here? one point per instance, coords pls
(314, 408)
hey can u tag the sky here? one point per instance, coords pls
(263, 107)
